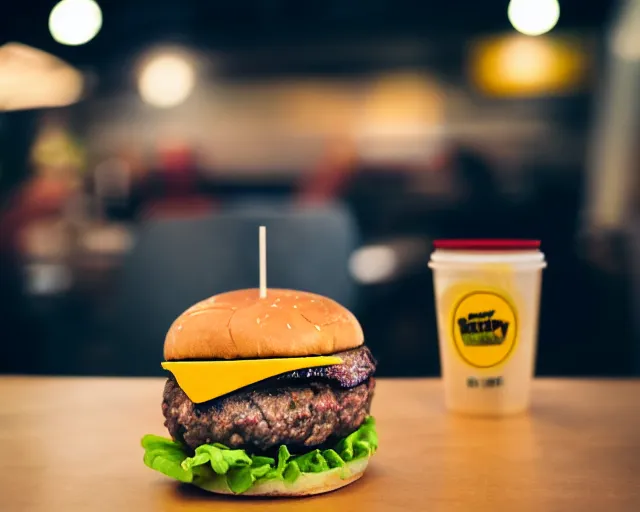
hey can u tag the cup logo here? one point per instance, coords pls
(484, 329)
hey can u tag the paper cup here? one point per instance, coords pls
(487, 303)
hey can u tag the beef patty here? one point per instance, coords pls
(261, 420)
(301, 408)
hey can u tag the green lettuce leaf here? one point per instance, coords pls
(165, 456)
(242, 470)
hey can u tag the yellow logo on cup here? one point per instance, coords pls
(484, 329)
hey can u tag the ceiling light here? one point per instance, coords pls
(75, 22)
(533, 17)
(166, 80)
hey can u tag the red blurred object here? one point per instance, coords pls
(37, 199)
(177, 207)
(330, 176)
(178, 170)
(487, 245)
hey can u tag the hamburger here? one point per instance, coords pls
(266, 396)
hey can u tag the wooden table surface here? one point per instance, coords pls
(73, 445)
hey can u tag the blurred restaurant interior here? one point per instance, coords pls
(143, 142)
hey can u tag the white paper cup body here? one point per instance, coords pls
(487, 305)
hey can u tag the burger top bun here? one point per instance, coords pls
(241, 325)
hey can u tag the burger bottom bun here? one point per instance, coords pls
(307, 484)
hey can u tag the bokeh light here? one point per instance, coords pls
(533, 17)
(31, 78)
(522, 66)
(166, 80)
(75, 22)
(373, 264)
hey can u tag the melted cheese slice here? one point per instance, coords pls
(206, 380)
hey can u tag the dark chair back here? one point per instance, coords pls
(176, 263)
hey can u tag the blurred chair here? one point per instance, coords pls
(175, 263)
(258, 205)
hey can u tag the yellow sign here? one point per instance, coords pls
(521, 66)
(484, 329)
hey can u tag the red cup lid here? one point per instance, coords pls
(487, 245)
